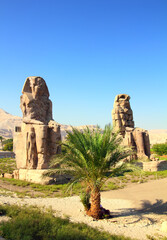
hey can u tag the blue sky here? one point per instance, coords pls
(88, 51)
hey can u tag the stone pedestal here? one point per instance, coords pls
(36, 176)
(33, 175)
(154, 166)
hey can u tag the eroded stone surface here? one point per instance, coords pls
(122, 117)
(38, 138)
(122, 114)
(34, 102)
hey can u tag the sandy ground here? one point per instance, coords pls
(137, 210)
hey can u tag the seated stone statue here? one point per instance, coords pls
(122, 117)
(39, 136)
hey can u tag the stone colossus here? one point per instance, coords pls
(122, 117)
(37, 140)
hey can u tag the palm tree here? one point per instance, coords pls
(88, 156)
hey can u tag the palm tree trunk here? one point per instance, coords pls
(95, 210)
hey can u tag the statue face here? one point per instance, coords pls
(35, 103)
(123, 100)
(33, 84)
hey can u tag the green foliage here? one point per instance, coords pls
(8, 145)
(9, 140)
(60, 190)
(30, 223)
(110, 186)
(7, 165)
(160, 149)
(85, 200)
(88, 155)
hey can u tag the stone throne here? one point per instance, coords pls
(37, 140)
(122, 117)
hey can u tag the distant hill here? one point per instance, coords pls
(8, 122)
(158, 136)
(155, 135)
(65, 128)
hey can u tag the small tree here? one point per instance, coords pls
(88, 156)
(8, 145)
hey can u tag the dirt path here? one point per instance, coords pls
(152, 191)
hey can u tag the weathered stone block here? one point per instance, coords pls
(8, 175)
(154, 166)
(34, 176)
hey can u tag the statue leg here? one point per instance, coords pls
(41, 142)
(140, 143)
(147, 144)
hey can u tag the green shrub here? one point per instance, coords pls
(7, 165)
(8, 145)
(7, 140)
(160, 148)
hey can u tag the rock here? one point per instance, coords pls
(35, 176)
(136, 138)
(38, 138)
(8, 175)
(16, 174)
(154, 166)
(153, 157)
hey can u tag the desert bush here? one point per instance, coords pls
(160, 148)
(8, 145)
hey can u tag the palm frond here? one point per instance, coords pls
(89, 154)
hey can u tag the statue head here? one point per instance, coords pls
(36, 86)
(35, 103)
(123, 100)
